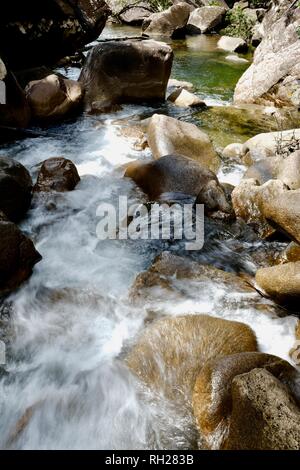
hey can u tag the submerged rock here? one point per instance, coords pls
(232, 44)
(236, 59)
(15, 189)
(228, 124)
(212, 398)
(53, 97)
(168, 267)
(205, 19)
(134, 71)
(168, 23)
(170, 353)
(57, 174)
(167, 136)
(17, 256)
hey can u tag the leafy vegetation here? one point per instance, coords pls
(159, 5)
(239, 24)
(154, 5)
(215, 3)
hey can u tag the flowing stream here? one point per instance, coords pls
(68, 324)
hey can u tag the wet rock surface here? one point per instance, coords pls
(15, 188)
(57, 174)
(17, 256)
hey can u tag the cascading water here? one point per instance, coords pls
(65, 385)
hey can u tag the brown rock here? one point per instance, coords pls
(53, 97)
(290, 254)
(168, 136)
(212, 400)
(17, 256)
(285, 169)
(57, 174)
(135, 15)
(295, 351)
(248, 198)
(168, 23)
(15, 112)
(15, 188)
(282, 211)
(178, 174)
(281, 283)
(132, 71)
(265, 416)
(170, 353)
(167, 267)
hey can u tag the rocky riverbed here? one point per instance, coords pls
(139, 343)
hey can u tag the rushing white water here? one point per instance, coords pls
(72, 318)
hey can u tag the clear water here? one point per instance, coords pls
(71, 320)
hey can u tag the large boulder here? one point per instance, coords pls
(281, 283)
(212, 400)
(35, 33)
(269, 207)
(171, 352)
(167, 136)
(53, 97)
(14, 109)
(178, 174)
(269, 144)
(291, 253)
(169, 23)
(285, 169)
(17, 256)
(247, 201)
(279, 55)
(57, 174)
(15, 189)
(282, 211)
(265, 415)
(231, 44)
(136, 15)
(131, 13)
(205, 19)
(126, 71)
